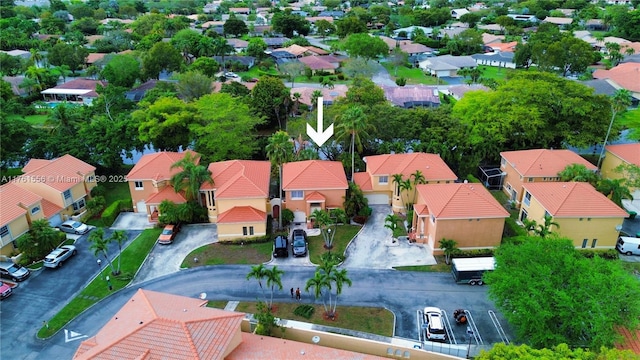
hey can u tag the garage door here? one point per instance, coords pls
(377, 199)
(55, 220)
(141, 207)
(299, 217)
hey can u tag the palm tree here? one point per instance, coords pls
(274, 278)
(449, 247)
(543, 230)
(37, 74)
(621, 101)
(120, 237)
(36, 57)
(63, 119)
(352, 124)
(339, 278)
(314, 97)
(191, 177)
(578, 173)
(318, 282)
(405, 188)
(296, 103)
(279, 151)
(258, 272)
(397, 179)
(391, 223)
(100, 245)
(615, 190)
(205, 46)
(325, 223)
(221, 48)
(418, 179)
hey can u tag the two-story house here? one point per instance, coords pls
(65, 183)
(536, 165)
(18, 209)
(150, 182)
(378, 185)
(616, 155)
(583, 214)
(464, 212)
(313, 185)
(238, 198)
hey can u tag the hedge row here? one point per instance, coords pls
(112, 211)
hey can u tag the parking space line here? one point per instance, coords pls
(474, 329)
(448, 329)
(499, 329)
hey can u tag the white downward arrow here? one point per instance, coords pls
(321, 136)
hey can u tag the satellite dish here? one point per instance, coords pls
(315, 339)
(203, 296)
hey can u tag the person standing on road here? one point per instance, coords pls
(292, 293)
(298, 294)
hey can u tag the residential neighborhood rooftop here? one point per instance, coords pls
(459, 200)
(14, 202)
(573, 199)
(543, 162)
(627, 152)
(313, 175)
(431, 165)
(234, 179)
(156, 166)
(61, 173)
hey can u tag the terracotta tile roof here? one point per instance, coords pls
(82, 84)
(328, 95)
(317, 63)
(315, 196)
(313, 175)
(313, 19)
(156, 166)
(49, 209)
(238, 43)
(626, 75)
(573, 199)
(558, 20)
(236, 179)
(414, 48)
(411, 95)
(167, 193)
(421, 209)
(432, 166)
(294, 49)
(13, 202)
(460, 201)
(504, 47)
(153, 325)
(93, 57)
(543, 162)
(631, 340)
(317, 50)
(61, 174)
(242, 214)
(265, 347)
(363, 179)
(627, 152)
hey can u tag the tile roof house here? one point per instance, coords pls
(583, 214)
(150, 182)
(560, 21)
(406, 46)
(64, 184)
(497, 59)
(329, 96)
(153, 325)
(316, 63)
(238, 44)
(464, 212)
(447, 65)
(616, 155)
(535, 165)
(410, 96)
(16, 85)
(457, 13)
(82, 91)
(378, 185)
(625, 76)
(237, 200)
(313, 185)
(18, 209)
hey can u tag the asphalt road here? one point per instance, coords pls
(401, 292)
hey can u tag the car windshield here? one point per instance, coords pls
(167, 232)
(76, 224)
(298, 242)
(13, 268)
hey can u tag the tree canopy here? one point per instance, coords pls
(365, 46)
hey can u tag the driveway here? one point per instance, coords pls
(292, 260)
(372, 247)
(381, 76)
(131, 221)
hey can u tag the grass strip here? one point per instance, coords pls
(132, 258)
(219, 254)
(344, 234)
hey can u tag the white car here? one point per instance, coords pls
(231, 75)
(73, 227)
(59, 255)
(434, 325)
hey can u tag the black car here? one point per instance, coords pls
(280, 246)
(299, 242)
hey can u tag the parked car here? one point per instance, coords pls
(13, 271)
(59, 255)
(280, 246)
(299, 242)
(73, 227)
(628, 245)
(168, 234)
(231, 75)
(434, 325)
(5, 290)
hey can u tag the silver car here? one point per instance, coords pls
(73, 227)
(59, 255)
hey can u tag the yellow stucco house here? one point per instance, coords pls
(238, 198)
(377, 181)
(18, 209)
(464, 212)
(150, 182)
(583, 214)
(535, 165)
(313, 185)
(616, 155)
(64, 184)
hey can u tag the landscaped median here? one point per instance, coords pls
(344, 235)
(132, 258)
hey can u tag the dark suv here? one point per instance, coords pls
(299, 242)
(280, 246)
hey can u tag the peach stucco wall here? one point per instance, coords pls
(333, 198)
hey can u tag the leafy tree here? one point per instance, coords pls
(206, 66)
(11, 65)
(365, 46)
(274, 278)
(266, 321)
(620, 101)
(193, 85)
(474, 74)
(152, 23)
(365, 93)
(398, 58)
(355, 202)
(14, 134)
(256, 48)
(40, 240)
(105, 140)
(74, 56)
(468, 42)
(471, 19)
(627, 24)
(615, 190)
(279, 151)
(119, 237)
(186, 41)
(258, 272)
(162, 56)
(352, 123)
(87, 25)
(165, 124)
(235, 89)
(100, 246)
(570, 55)
(190, 177)
(287, 23)
(449, 247)
(235, 27)
(115, 41)
(292, 70)
(324, 28)
(578, 173)
(391, 223)
(270, 99)
(326, 223)
(561, 351)
(350, 25)
(539, 283)
(225, 129)
(359, 68)
(631, 173)
(122, 70)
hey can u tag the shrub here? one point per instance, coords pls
(608, 254)
(473, 253)
(305, 311)
(341, 76)
(332, 78)
(320, 79)
(98, 190)
(472, 179)
(110, 214)
(339, 215)
(269, 224)
(95, 206)
(401, 81)
(513, 229)
(287, 217)
(250, 240)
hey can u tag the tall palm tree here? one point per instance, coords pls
(318, 283)
(544, 230)
(258, 272)
(274, 278)
(64, 119)
(221, 48)
(620, 101)
(37, 74)
(405, 188)
(100, 246)
(418, 179)
(120, 237)
(353, 124)
(205, 46)
(191, 177)
(339, 278)
(279, 151)
(615, 190)
(314, 97)
(397, 179)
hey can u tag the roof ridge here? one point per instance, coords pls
(326, 165)
(192, 345)
(541, 152)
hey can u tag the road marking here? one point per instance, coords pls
(72, 336)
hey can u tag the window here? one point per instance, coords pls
(584, 243)
(383, 180)
(594, 242)
(35, 210)
(138, 185)
(4, 231)
(250, 230)
(211, 198)
(67, 194)
(297, 194)
(244, 230)
(527, 198)
(78, 204)
(523, 215)
(530, 179)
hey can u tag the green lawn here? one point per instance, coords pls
(219, 254)
(344, 234)
(255, 72)
(492, 72)
(413, 75)
(114, 191)
(38, 119)
(7, 174)
(132, 258)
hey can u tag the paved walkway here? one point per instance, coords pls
(372, 247)
(131, 221)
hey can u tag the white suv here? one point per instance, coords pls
(434, 325)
